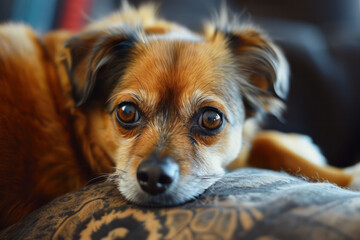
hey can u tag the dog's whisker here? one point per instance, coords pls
(96, 178)
(114, 177)
(109, 176)
(118, 169)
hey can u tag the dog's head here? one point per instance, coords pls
(168, 106)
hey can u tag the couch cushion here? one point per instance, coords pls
(246, 203)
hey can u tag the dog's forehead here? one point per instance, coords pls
(174, 71)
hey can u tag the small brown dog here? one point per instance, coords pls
(165, 106)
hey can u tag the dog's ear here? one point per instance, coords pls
(262, 70)
(94, 61)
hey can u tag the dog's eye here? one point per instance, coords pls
(210, 119)
(127, 114)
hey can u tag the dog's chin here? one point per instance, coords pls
(183, 191)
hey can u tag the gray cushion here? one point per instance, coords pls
(247, 203)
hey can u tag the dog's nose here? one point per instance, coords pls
(156, 175)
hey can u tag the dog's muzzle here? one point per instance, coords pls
(157, 174)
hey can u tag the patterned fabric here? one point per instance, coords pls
(247, 204)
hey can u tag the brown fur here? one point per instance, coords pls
(33, 128)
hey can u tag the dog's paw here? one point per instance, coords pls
(301, 145)
(355, 172)
(304, 146)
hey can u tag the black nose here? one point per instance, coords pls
(155, 175)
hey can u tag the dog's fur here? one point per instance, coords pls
(59, 96)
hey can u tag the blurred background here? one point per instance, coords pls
(321, 39)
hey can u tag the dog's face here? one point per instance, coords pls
(170, 109)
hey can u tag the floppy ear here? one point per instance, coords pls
(262, 70)
(95, 60)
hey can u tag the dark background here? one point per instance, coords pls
(321, 39)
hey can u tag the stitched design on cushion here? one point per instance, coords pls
(119, 223)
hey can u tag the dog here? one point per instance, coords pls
(161, 109)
